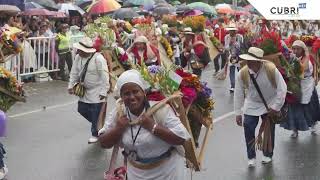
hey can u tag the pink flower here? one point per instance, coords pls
(189, 95)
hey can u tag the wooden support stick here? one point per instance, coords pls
(8, 93)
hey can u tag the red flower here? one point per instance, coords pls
(182, 73)
(155, 96)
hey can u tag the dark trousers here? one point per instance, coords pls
(2, 153)
(217, 66)
(250, 123)
(177, 61)
(232, 75)
(63, 59)
(91, 113)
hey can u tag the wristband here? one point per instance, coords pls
(154, 128)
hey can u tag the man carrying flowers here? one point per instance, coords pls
(256, 81)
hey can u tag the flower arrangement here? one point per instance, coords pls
(215, 41)
(197, 23)
(308, 40)
(136, 21)
(165, 43)
(269, 42)
(290, 40)
(100, 30)
(170, 20)
(9, 43)
(9, 88)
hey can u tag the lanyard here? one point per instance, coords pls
(134, 138)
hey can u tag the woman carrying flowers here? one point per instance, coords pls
(151, 145)
(303, 115)
(142, 50)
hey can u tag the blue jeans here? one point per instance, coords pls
(250, 123)
(233, 75)
(91, 113)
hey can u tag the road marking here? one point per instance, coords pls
(216, 120)
(220, 118)
(42, 109)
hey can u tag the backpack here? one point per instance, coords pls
(270, 69)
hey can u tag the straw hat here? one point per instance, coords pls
(188, 30)
(232, 27)
(254, 54)
(85, 45)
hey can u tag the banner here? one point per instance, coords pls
(288, 9)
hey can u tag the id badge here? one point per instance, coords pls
(133, 155)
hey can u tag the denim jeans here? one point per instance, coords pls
(233, 75)
(217, 65)
(91, 113)
(250, 123)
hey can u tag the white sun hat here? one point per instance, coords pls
(85, 45)
(254, 54)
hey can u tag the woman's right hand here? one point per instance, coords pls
(122, 122)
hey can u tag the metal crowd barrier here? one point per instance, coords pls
(38, 57)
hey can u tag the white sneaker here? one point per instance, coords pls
(266, 160)
(3, 172)
(313, 130)
(251, 162)
(92, 140)
(231, 90)
(294, 134)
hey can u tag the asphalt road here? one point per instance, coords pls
(47, 140)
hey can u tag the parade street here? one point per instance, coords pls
(47, 140)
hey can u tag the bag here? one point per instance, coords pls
(119, 173)
(277, 118)
(195, 62)
(78, 88)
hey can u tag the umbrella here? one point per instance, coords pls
(4, 8)
(182, 8)
(56, 14)
(175, 3)
(104, 6)
(83, 3)
(38, 12)
(32, 5)
(193, 12)
(141, 2)
(206, 8)
(49, 4)
(163, 10)
(68, 8)
(241, 11)
(125, 13)
(224, 9)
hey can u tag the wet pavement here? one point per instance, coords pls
(47, 140)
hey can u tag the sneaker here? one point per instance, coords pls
(231, 90)
(3, 172)
(294, 134)
(266, 160)
(92, 140)
(313, 130)
(251, 163)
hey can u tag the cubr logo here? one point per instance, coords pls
(285, 10)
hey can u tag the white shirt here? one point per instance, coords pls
(252, 103)
(148, 145)
(96, 81)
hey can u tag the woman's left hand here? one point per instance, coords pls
(146, 122)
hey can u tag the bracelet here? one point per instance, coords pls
(154, 128)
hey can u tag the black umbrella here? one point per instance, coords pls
(125, 13)
(48, 4)
(162, 10)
